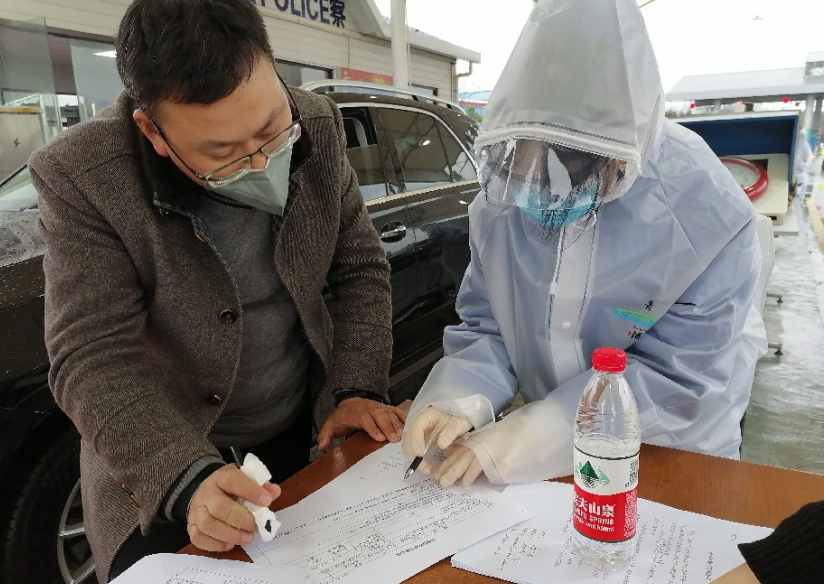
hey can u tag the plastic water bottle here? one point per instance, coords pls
(607, 443)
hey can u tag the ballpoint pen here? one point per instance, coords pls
(236, 455)
(433, 437)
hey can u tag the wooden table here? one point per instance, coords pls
(723, 488)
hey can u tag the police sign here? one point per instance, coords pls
(325, 11)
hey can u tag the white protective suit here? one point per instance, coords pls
(804, 161)
(667, 271)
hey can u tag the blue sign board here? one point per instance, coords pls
(325, 11)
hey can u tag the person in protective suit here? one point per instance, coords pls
(601, 224)
(804, 162)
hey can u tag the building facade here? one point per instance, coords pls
(59, 54)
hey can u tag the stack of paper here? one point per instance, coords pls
(185, 569)
(369, 525)
(673, 546)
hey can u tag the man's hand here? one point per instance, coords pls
(379, 421)
(215, 499)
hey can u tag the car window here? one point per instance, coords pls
(465, 128)
(419, 146)
(363, 154)
(460, 165)
(17, 193)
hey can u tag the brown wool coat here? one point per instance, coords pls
(141, 359)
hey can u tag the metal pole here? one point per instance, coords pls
(400, 50)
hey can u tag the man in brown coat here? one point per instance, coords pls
(190, 229)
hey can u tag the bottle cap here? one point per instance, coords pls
(609, 360)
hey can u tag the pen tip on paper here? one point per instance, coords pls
(408, 473)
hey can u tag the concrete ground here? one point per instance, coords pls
(784, 425)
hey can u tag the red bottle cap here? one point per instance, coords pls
(609, 360)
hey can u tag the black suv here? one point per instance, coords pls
(413, 157)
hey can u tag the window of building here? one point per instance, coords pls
(96, 81)
(26, 72)
(814, 69)
(69, 78)
(69, 109)
(296, 74)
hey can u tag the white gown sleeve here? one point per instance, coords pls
(474, 378)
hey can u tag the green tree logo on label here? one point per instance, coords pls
(591, 477)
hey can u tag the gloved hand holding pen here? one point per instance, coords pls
(418, 432)
(461, 466)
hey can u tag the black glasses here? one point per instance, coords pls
(229, 173)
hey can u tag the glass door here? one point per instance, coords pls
(26, 72)
(95, 76)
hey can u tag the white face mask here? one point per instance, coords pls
(266, 188)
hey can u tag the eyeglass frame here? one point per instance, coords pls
(295, 127)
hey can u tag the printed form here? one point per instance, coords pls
(368, 525)
(674, 546)
(186, 569)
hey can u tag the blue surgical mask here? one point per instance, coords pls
(266, 188)
(577, 206)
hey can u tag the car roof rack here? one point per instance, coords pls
(328, 85)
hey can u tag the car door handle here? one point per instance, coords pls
(393, 231)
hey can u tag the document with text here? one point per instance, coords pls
(673, 546)
(372, 526)
(186, 569)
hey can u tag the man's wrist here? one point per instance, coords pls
(179, 510)
(345, 393)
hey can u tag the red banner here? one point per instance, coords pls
(355, 75)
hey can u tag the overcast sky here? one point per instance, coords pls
(690, 37)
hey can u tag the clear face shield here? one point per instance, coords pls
(554, 184)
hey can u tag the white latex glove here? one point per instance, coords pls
(461, 463)
(533, 443)
(417, 433)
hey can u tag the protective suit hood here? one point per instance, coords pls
(583, 75)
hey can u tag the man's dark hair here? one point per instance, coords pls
(189, 51)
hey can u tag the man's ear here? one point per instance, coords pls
(151, 132)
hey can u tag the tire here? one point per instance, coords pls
(42, 533)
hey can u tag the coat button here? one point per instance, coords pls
(565, 326)
(165, 213)
(214, 400)
(227, 316)
(200, 237)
